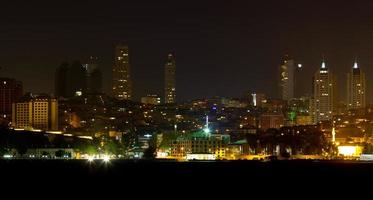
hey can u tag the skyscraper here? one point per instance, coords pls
(287, 79)
(356, 88)
(93, 75)
(70, 80)
(169, 83)
(76, 79)
(10, 92)
(35, 112)
(60, 80)
(324, 94)
(121, 79)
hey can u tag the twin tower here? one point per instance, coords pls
(323, 102)
(122, 82)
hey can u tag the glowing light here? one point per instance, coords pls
(323, 66)
(350, 150)
(254, 99)
(355, 65)
(106, 158)
(299, 65)
(206, 130)
(91, 158)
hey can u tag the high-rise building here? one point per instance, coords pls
(60, 81)
(121, 82)
(287, 79)
(93, 75)
(35, 112)
(324, 94)
(70, 80)
(356, 88)
(169, 83)
(10, 92)
(77, 84)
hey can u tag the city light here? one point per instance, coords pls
(106, 158)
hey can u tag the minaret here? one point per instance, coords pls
(333, 134)
(207, 129)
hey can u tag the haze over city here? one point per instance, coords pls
(221, 48)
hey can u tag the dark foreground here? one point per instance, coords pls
(160, 170)
(228, 177)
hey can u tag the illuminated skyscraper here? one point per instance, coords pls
(324, 94)
(169, 83)
(121, 82)
(356, 88)
(287, 79)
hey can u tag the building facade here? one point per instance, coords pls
(35, 112)
(272, 120)
(93, 75)
(356, 88)
(10, 92)
(324, 94)
(287, 79)
(170, 80)
(121, 78)
(151, 99)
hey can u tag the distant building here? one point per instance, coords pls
(10, 92)
(258, 99)
(272, 120)
(356, 88)
(170, 80)
(61, 80)
(121, 77)
(199, 143)
(70, 80)
(287, 79)
(151, 99)
(303, 120)
(35, 112)
(324, 94)
(93, 75)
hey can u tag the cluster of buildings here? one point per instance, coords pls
(79, 107)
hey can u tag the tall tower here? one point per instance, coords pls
(93, 75)
(169, 83)
(324, 94)
(356, 88)
(287, 79)
(122, 83)
(10, 92)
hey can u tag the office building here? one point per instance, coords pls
(121, 78)
(324, 94)
(287, 79)
(10, 92)
(169, 87)
(35, 112)
(356, 88)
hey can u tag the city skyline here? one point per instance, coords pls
(208, 48)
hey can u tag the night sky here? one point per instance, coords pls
(221, 47)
